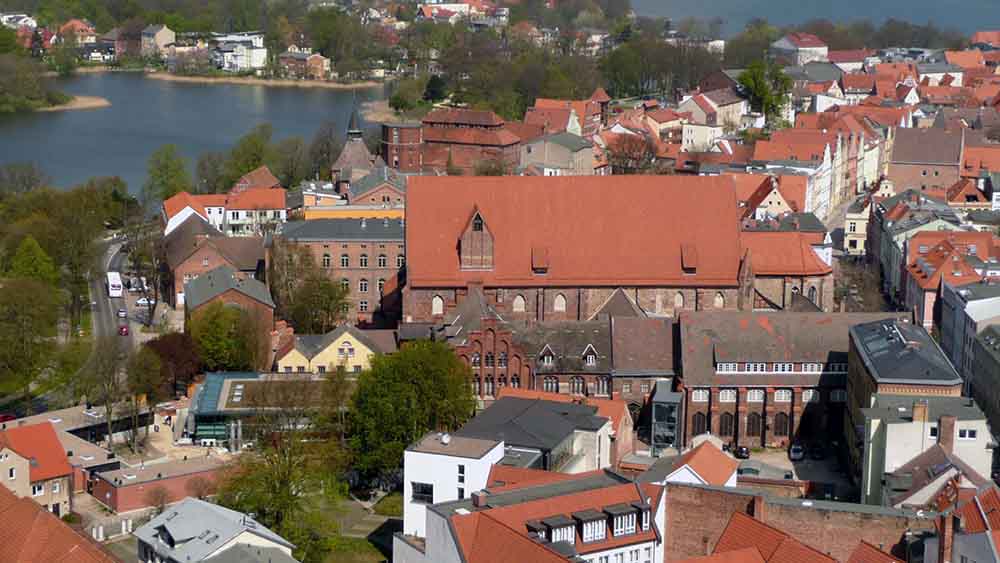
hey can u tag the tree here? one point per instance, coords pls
(8, 41)
(21, 177)
(435, 89)
(492, 167)
(631, 154)
(28, 313)
(291, 161)
(64, 58)
(324, 149)
(157, 497)
(103, 381)
(319, 304)
(252, 151)
(179, 361)
(200, 487)
(217, 334)
(422, 387)
(146, 255)
(168, 175)
(142, 383)
(31, 262)
(768, 87)
(751, 44)
(210, 173)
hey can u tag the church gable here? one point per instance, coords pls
(476, 244)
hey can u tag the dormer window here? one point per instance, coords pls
(476, 245)
(591, 360)
(593, 525)
(548, 360)
(564, 533)
(623, 519)
(645, 520)
(561, 529)
(477, 224)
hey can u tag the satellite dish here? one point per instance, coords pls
(446, 439)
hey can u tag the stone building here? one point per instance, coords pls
(765, 379)
(559, 248)
(365, 255)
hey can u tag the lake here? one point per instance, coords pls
(72, 146)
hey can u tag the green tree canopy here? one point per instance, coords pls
(768, 87)
(168, 174)
(422, 387)
(218, 334)
(252, 151)
(31, 262)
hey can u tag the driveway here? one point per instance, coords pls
(818, 471)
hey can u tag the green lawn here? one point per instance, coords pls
(353, 550)
(390, 505)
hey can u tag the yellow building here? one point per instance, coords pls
(353, 212)
(346, 346)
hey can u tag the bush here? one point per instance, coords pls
(390, 505)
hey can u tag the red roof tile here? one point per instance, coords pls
(259, 178)
(848, 55)
(38, 442)
(31, 534)
(857, 82)
(470, 136)
(986, 37)
(783, 253)
(257, 198)
(710, 463)
(600, 96)
(803, 151)
(805, 40)
(965, 59)
(775, 546)
(745, 555)
(177, 203)
(868, 553)
(580, 224)
(456, 116)
(553, 120)
(979, 159)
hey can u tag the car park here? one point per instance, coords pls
(796, 452)
(122, 313)
(741, 452)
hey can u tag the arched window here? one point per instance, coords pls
(345, 284)
(381, 285)
(363, 286)
(489, 386)
(550, 384)
(400, 260)
(515, 381)
(603, 385)
(727, 424)
(753, 425)
(502, 360)
(812, 294)
(559, 304)
(476, 388)
(475, 359)
(477, 224)
(678, 301)
(326, 260)
(781, 424)
(383, 261)
(501, 382)
(519, 304)
(719, 302)
(363, 260)
(577, 385)
(699, 424)
(489, 359)
(437, 305)
(345, 261)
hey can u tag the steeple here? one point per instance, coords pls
(354, 128)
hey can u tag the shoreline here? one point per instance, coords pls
(377, 111)
(79, 102)
(249, 81)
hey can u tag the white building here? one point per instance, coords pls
(800, 48)
(592, 518)
(443, 468)
(17, 20)
(965, 312)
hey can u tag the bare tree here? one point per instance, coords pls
(200, 487)
(631, 154)
(104, 380)
(157, 498)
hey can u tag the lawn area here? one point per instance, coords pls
(353, 550)
(390, 505)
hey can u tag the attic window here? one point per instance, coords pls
(689, 258)
(477, 224)
(539, 260)
(591, 360)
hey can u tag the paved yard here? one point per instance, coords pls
(125, 549)
(817, 471)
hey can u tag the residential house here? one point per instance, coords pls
(722, 108)
(704, 464)
(856, 218)
(763, 196)
(665, 123)
(939, 74)
(787, 267)
(533, 261)
(82, 31)
(966, 311)
(254, 212)
(599, 516)
(982, 220)
(591, 114)
(239, 52)
(137, 488)
(345, 346)
(850, 60)
(33, 465)
(86, 459)
(812, 157)
(935, 258)
(696, 137)
(857, 86)
(198, 531)
(558, 154)
(364, 255)
(85, 422)
(379, 195)
(254, 206)
(766, 379)
(156, 39)
(889, 358)
(441, 468)
(196, 247)
(985, 371)
(966, 530)
(32, 534)
(903, 433)
(800, 48)
(304, 64)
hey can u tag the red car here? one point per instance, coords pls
(123, 330)
(5, 417)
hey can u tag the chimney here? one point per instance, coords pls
(946, 433)
(759, 508)
(479, 499)
(946, 536)
(920, 411)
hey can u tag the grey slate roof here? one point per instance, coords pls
(815, 72)
(344, 229)
(531, 423)
(642, 346)
(897, 352)
(311, 344)
(619, 305)
(938, 68)
(573, 143)
(379, 176)
(984, 216)
(220, 280)
(246, 553)
(797, 222)
(568, 342)
(927, 146)
(184, 239)
(199, 528)
(899, 408)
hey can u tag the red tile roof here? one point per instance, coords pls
(972, 517)
(582, 225)
(470, 136)
(524, 131)
(745, 555)
(666, 115)
(868, 553)
(175, 204)
(783, 253)
(31, 534)
(848, 55)
(775, 546)
(553, 120)
(38, 442)
(259, 178)
(960, 192)
(508, 478)
(965, 59)
(257, 198)
(857, 82)
(706, 106)
(944, 257)
(803, 151)
(979, 159)
(600, 96)
(583, 108)
(986, 37)
(805, 40)
(456, 116)
(710, 463)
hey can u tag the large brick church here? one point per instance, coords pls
(559, 248)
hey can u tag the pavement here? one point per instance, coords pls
(817, 471)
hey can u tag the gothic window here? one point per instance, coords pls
(678, 301)
(727, 424)
(699, 424)
(753, 425)
(519, 304)
(720, 301)
(559, 304)
(515, 382)
(437, 305)
(577, 385)
(781, 424)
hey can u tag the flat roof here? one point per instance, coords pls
(84, 454)
(896, 352)
(899, 408)
(154, 472)
(68, 419)
(449, 444)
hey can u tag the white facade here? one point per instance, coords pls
(250, 221)
(961, 321)
(450, 477)
(699, 138)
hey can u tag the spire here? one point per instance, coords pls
(353, 128)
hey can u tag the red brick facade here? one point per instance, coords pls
(402, 145)
(262, 315)
(125, 497)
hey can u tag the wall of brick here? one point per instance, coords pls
(696, 518)
(133, 497)
(922, 176)
(204, 260)
(401, 147)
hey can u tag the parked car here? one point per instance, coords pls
(145, 302)
(741, 452)
(122, 313)
(5, 417)
(123, 330)
(796, 452)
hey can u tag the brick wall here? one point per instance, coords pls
(133, 497)
(922, 176)
(401, 147)
(696, 518)
(204, 260)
